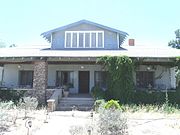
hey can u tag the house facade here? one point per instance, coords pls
(71, 60)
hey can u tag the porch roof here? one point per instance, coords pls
(131, 52)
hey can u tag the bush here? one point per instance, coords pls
(28, 103)
(6, 118)
(97, 92)
(120, 77)
(112, 104)
(112, 123)
(11, 95)
(99, 105)
(143, 97)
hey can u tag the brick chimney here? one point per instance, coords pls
(131, 42)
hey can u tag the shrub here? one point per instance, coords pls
(99, 105)
(28, 103)
(6, 118)
(119, 78)
(97, 92)
(11, 95)
(112, 104)
(112, 123)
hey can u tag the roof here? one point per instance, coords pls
(131, 52)
(47, 35)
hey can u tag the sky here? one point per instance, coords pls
(149, 22)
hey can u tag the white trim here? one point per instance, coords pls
(97, 39)
(103, 39)
(90, 43)
(118, 40)
(77, 39)
(84, 38)
(71, 38)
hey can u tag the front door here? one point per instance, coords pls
(83, 81)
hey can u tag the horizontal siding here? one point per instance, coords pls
(110, 38)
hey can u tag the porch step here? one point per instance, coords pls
(82, 104)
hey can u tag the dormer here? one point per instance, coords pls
(85, 35)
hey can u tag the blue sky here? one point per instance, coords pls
(149, 22)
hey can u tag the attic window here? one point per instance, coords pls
(84, 39)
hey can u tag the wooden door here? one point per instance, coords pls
(83, 81)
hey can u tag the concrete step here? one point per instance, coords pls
(82, 104)
(79, 108)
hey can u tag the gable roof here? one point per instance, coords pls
(47, 35)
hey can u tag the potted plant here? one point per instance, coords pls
(66, 89)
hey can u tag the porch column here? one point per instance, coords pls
(40, 80)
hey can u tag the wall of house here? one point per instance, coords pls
(11, 73)
(76, 68)
(110, 38)
(163, 76)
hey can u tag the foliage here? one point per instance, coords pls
(175, 43)
(2, 44)
(28, 103)
(6, 118)
(99, 105)
(111, 123)
(120, 77)
(11, 95)
(143, 97)
(97, 92)
(112, 104)
(76, 130)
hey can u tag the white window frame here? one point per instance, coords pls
(84, 32)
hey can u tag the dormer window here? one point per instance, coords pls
(84, 39)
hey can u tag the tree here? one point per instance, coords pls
(2, 44)
(175, 43)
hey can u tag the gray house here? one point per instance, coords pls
(71, 59)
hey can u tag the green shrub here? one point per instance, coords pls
(119, 78)
(11, 95)
(112, 104)
(97, 92)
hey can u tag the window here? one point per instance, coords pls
(100, 78)
(26, 79)
(144, 79)
(64, 78)
(84, 39)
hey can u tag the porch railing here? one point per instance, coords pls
(54, 100)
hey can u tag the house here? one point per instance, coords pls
(71, 59)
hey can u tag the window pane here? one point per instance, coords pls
(68, 39)
(93, 40)
(100, 79)
(64, 78)
(26, 79)
(87, 40)
(144, 79)
(74, 41)
(100, 40)
(81, 40)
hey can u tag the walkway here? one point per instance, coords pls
(60, 123)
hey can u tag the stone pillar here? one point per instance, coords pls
(40, 80)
